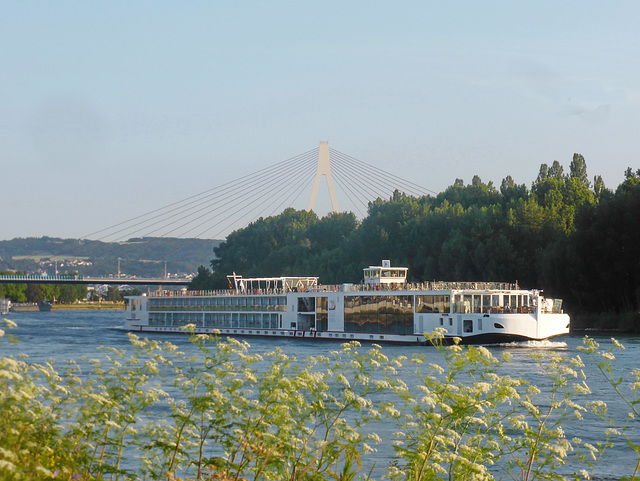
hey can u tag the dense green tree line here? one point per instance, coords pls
(63, 293)
(575, 239)
(60, 293)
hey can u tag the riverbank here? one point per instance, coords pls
(89, 306)
(606, 322)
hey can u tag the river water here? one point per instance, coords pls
(70, 335)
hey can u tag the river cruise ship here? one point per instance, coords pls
(383, 308)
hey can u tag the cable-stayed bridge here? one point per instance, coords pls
(214, 213)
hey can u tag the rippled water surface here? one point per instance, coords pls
(70, 335)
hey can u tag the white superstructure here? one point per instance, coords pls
(384, 308)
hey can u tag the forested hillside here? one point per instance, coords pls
(142, 257)
(575, 239)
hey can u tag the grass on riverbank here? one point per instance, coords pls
(89, 306)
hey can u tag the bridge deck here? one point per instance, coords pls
(26, 279)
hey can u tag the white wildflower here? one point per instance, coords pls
(10, 323)
(7, 454)
(9, 466)
(483, 387)
(436, 368)
(428, 400)
(593, 451)
(368, 449)
(9, 362)
(391, 411)
(616, 343)
(10, 375)
(343, 380)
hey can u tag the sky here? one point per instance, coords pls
(112, 109)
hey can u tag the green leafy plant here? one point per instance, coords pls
(626, 388)
(217, 411)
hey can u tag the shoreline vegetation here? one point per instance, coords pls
(89, 306)
(224, 412)
(571, 237)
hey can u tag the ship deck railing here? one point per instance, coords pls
(421, 286)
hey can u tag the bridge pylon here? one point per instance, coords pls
(324, 169)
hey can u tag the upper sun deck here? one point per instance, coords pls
(376, 278)
(385, 274)
(271, 284)
(271, 289)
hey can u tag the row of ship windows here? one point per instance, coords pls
(218, 301)
(429, 303)
(379, 303)
(386, 324)
(484, 303)
(265, 321)
(217, 308)
(389, 314)
(353, 304)
(474, 303)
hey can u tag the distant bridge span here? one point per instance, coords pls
(26, 279)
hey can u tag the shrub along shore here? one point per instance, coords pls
(225, 413)
(89, 306)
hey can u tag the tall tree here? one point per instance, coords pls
(543, 174)
(599, 189)
(203, 280)
(15, 292)
(578, 169)
(34, 293)
(556, 171)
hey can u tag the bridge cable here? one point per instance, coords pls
(246, 186)
(385, 174)
(289, 183)
(249, 201)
